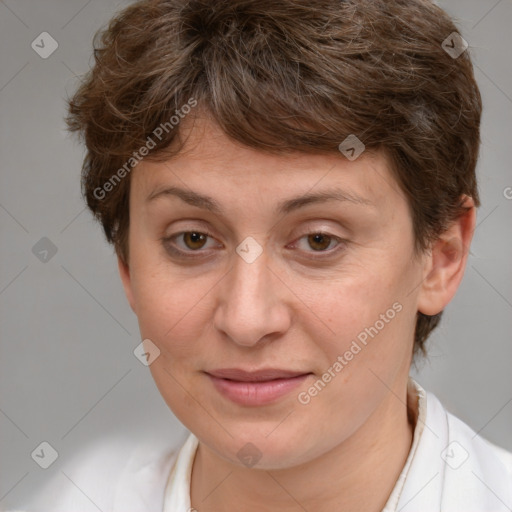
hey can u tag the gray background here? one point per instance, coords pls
(68, 375)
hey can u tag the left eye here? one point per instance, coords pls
(320, 242)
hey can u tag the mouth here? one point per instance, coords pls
(256, 388)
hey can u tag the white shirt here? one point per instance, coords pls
(449, 468)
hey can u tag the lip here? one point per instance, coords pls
(254, 388)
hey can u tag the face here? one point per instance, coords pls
(256, 279)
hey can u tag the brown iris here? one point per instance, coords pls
(319, 240)
(196, 239)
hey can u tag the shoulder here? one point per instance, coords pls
(504, 455)
(461, 469)
(453, 429)
(487, 454)
(96, 476)
(474, 470)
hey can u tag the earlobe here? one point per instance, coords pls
(446, 262)
(124, 273)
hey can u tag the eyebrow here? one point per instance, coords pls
(208, 203)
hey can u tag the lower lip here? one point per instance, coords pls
(256, 393)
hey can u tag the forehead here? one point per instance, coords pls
(211, 164)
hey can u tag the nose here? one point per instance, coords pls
(252, 305)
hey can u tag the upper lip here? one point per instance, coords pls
(256, 375)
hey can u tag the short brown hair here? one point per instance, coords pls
(284, 76)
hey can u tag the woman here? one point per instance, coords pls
(290, 189)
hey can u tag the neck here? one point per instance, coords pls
(358, 474)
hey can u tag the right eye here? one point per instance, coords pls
(193, 242)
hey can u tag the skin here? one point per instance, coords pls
(285, 310)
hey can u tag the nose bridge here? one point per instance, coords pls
(251, 279)
(250, 306)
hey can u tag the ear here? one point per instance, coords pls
(446, 262)
(124, 272)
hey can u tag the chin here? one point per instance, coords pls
(263, 448)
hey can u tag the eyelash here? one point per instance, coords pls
(167, 240)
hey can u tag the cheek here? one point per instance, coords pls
(369, 346)
(171, 313)
(367, 316)
(173, 310)
(352, 302)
